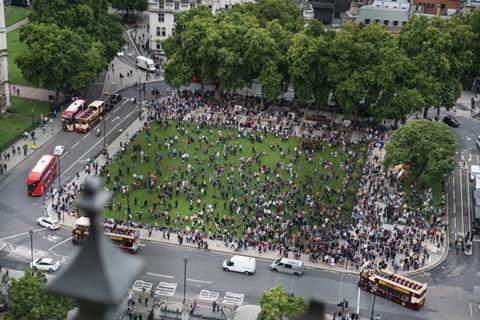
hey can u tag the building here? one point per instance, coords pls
(4, 82)
(162, 16)
(329, 11)
(392, 14)
(437, 7)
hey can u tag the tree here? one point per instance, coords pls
(129, 6)
(427, 147)
(83, 16)
(448, 42)
(29, 300)
(473, 20)
(59, 58)
(277, 304)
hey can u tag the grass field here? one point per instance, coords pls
(15, 48)
(19, 118)
(208, 157)
(14, 14)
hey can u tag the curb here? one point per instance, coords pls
(5, 174)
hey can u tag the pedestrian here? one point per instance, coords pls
(214, 306)
(18, 92)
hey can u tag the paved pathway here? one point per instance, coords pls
(16, 25)
(33, 93)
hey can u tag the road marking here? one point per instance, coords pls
(126, 100)
(76, 144)
(208, 295)
(85, 137)
(231, 298)
(22, 234)
(115, 119)
(166, 289)
(64, 154)
(478, 159)
(453, 183)
(469, 157)
(58, 244)
(139, 285)
(159, 275)
(462, 157)
(199, 281)
(99, 141)
(461, 201)
(471, 309)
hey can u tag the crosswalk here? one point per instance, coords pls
(168, 289)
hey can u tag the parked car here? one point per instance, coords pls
(115, 98)
(49, 223)
(240, 264)
(474, 171)
(45, 264)
(478, 142)
(451, 121)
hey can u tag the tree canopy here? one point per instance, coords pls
(277, 304)
(427, 147)
(129, 6)
(59, 58)
(29, 300)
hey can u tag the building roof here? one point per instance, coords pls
(384, 10)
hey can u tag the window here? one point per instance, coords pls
(192, 5)
(385, 22)
(158, 32)
(288, 266)
(164, 32)
(442, 6)
(160, 5)
(177, 5)
(367, 21)
(173, 31)
(377, 21)
(161, 17)
(226, 6)
(395, 23)
(158, 45)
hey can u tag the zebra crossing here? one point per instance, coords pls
(168, 289)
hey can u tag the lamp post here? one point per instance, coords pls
(33, 128)
(104, 128)
(185, 260)
(58, 152)
(31, 246)
(373, 306)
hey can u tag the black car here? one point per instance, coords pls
(115, 98)
(451, 121)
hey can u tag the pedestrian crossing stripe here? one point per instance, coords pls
(233, 298)
(140, 285)
(208, 295)
(166, 289)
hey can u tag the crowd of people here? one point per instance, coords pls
(266, 207)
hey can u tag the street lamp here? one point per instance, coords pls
(33, 128)
(31, 245)
(373, 306)
(58, 152)
(185, 260)
(104, 128)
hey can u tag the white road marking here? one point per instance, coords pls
(166, 289)
(462, 157)
(461, 201)
(115, 119)
(58, 244)
(358, 301)
(208, 295)
(471, 309)
(116, 109)
(159, 275)
(478, 159)
(126, 100)
(85, 137)
(199, 281)
(64, 154)
(469, 157)
(468, 204)
(138, 285)
(21, 234)
(231, 298)
(76, 144)
(99, 141)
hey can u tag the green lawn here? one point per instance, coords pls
(15, 48)
(22, 106)
(14, 14)
(19, 118)
(202, 156)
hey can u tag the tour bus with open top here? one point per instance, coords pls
(394, 287)
(41, 175)
(87, 119)
(124, 237)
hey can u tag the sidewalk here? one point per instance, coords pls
(33, 93)
(16, 25)
(436, 256)
(51, 129)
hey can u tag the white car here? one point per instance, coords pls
(49, 223)
(474, 171)
(45, 264)
(58, 151)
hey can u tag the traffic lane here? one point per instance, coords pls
(94, 90)
(165, 263)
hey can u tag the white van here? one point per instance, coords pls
(474, 171)
(145, 64)
(240, 264)
(477, 183)
(289, 266)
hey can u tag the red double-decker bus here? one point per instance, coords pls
(42, 175)
(69, 114)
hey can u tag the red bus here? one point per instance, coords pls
(42, 175)
(69, 114)
(394, 287)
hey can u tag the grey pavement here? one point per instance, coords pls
(16, 25)
(33, 93)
